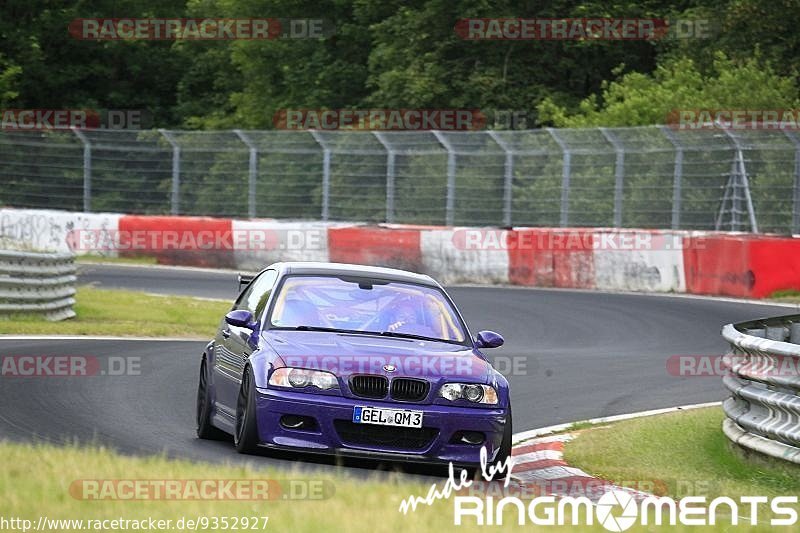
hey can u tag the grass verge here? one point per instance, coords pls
(682, 454)
(126, 313)
(786, 296)
(37, 480)
(133, 260)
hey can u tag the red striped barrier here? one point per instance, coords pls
(374, 245)
(196, 241)
(748, 266)
(545, 257)
(725, 264)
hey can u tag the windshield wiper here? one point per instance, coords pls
(412, 336)
(393, 334)
(323, 328)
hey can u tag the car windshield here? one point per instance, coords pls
(365, 305)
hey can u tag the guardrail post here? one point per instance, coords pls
(450, 201)
(740, 171)
(326, 174)
(390, 175)
(619, 175)
(87, 169)
(175, 195)
(252, 173)
(566, 171)
(677, 177)
(508, 181)
(796, 187)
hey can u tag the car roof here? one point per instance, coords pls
(345, 269)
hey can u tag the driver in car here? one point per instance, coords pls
(406, 320)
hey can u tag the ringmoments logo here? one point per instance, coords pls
(615, 509)
(618, 510)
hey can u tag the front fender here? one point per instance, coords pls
(263, 362)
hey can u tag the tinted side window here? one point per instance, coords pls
(255, 297)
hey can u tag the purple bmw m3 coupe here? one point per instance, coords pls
(356, 361)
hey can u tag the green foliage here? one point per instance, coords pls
(9, 80)
(641, 99)
(398, 54)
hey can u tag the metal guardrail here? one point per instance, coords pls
(763, 411)
(41, 283)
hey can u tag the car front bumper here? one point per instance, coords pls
(335, 433)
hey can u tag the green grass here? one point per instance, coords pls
(136, 260)
(787, 296)
(45, 480)
(35, 480)
(684, 453)
(577, 426)
(126, 313)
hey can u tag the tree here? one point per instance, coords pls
(640, 99)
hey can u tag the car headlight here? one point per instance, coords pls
(300, 378)
(472, 392)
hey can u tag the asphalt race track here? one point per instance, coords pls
(577, 355)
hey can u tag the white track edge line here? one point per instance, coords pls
(518, 438)
(98, 338)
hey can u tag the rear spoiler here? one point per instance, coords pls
(244, 280)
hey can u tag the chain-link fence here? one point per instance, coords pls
(645, 177)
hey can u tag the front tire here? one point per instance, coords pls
(505, 445)
(245, 436)
(205, 429)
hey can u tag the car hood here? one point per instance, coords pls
(348, 354)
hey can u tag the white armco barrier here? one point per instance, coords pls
(258, 243)
(445, 257)
(647, 261)
(55, 231)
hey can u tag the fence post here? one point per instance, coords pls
(326, 174)
(566, 170)
(252, 173)
(87, 169)
(741, 172)
(508, 181)
(450, 201)
(176, 172)
(796, 187)
(619, 175)
(677, 177)
(390, 175)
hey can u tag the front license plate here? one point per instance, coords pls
(387, 417)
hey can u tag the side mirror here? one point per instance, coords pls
(489, 339)
(240, 318)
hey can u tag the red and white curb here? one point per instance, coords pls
(540, 468)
